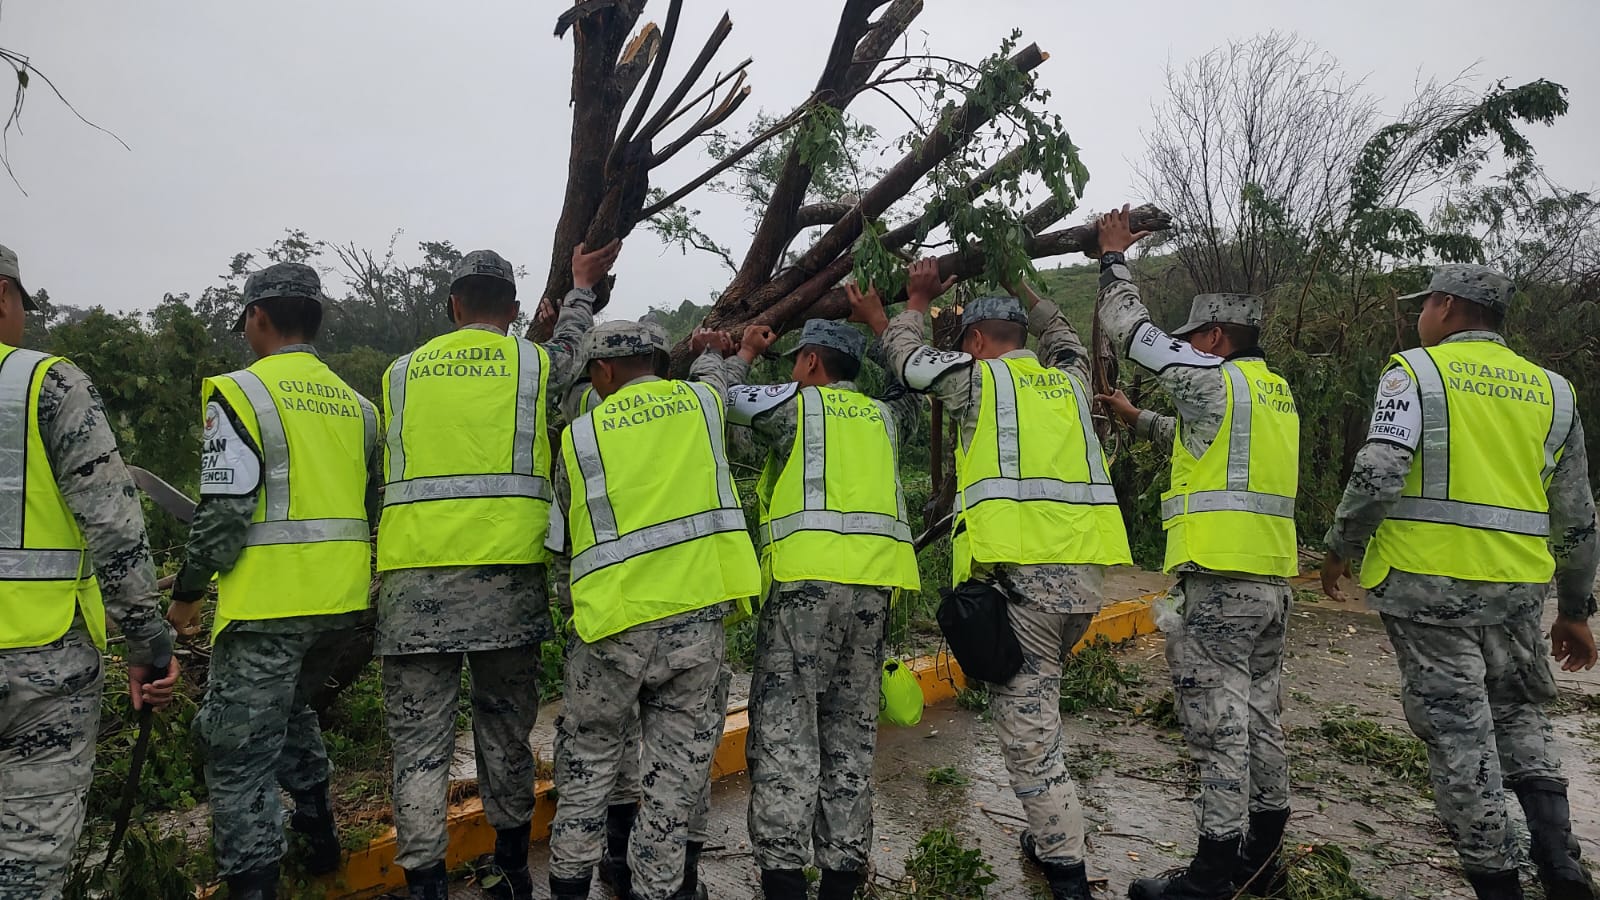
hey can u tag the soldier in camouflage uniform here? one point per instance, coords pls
(622, 807)
(257, 724)
(1051, 605)
(666, 674)
(819, 646)
(1473, 678)
(1227, 656)
(50, 690)
(493, 616)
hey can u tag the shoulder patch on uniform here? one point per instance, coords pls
(1397, 410)
(228, 467)
(927, 365)
(746, 401)
(1158, 351)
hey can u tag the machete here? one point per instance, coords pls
(180, 507)
(175, 502)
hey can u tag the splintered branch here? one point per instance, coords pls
(707, 53)
(641, 106)
(713, 117)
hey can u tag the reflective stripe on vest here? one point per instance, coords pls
(1237, 497)
(1052, 504)
(16, 378)
(1010, 444)
(46, 581)
(306, 549)
(1231, 509)
(610, 548)
(1477, 508)
(1433, 455)
(275, 526)
(843, 521)
(446, 487)
(655, 524)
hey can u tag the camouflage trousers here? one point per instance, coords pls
(814, 701)
(420, 698)
(1027, 715)
(260, 733)
(1476, 697)
(49, 719)
(629, 788)
(668, 677)
(1227, 666)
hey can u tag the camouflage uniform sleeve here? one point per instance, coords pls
(574, 320)
(1155, 428)
(1193, 379)
(1059, 346)
(1572, 527)
(714, 372)
(959, 388)
(98, 489)
(1375, 484)
(217, 534)
(904, 403)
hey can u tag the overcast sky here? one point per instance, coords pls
(449, 120)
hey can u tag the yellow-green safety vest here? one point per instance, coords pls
(307, 550)
(1033, 486)
(46, 576)
(835, 511)
(655, 522)
(1474, 505)
(1232, 510)
(467, 455)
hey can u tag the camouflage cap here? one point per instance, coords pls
(485, 262)
(609, 340)
(833, 335)
(285, 279)
(983, 309)
(9, 268)
(1480, 284)
(1222, 309)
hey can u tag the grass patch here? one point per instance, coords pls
(1364, 741)
(947, 775)
(942, 867)
(1322, 872)
(974, 699)
(1570, 702)
(1084, 764)
(1093, 678)
(1163, 713)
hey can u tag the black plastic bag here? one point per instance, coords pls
(976, 624)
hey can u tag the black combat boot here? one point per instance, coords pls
(515, 882)
(692, 889)
(839, 885)
(1067, 882)
(432, 883)
(1208, 877)
(1496, 885)
(569, 888)
(1259, 872)
(256, 884)
(1555, 851)
(614, 872)
(783, 884)
(313, 821)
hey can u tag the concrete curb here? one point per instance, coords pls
(372, 871)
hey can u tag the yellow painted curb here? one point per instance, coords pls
(372, 871)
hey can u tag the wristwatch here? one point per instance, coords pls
(1111, 258)
(579, 293)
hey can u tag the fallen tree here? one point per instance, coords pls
(977, 146)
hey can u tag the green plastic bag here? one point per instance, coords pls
(900, 702)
